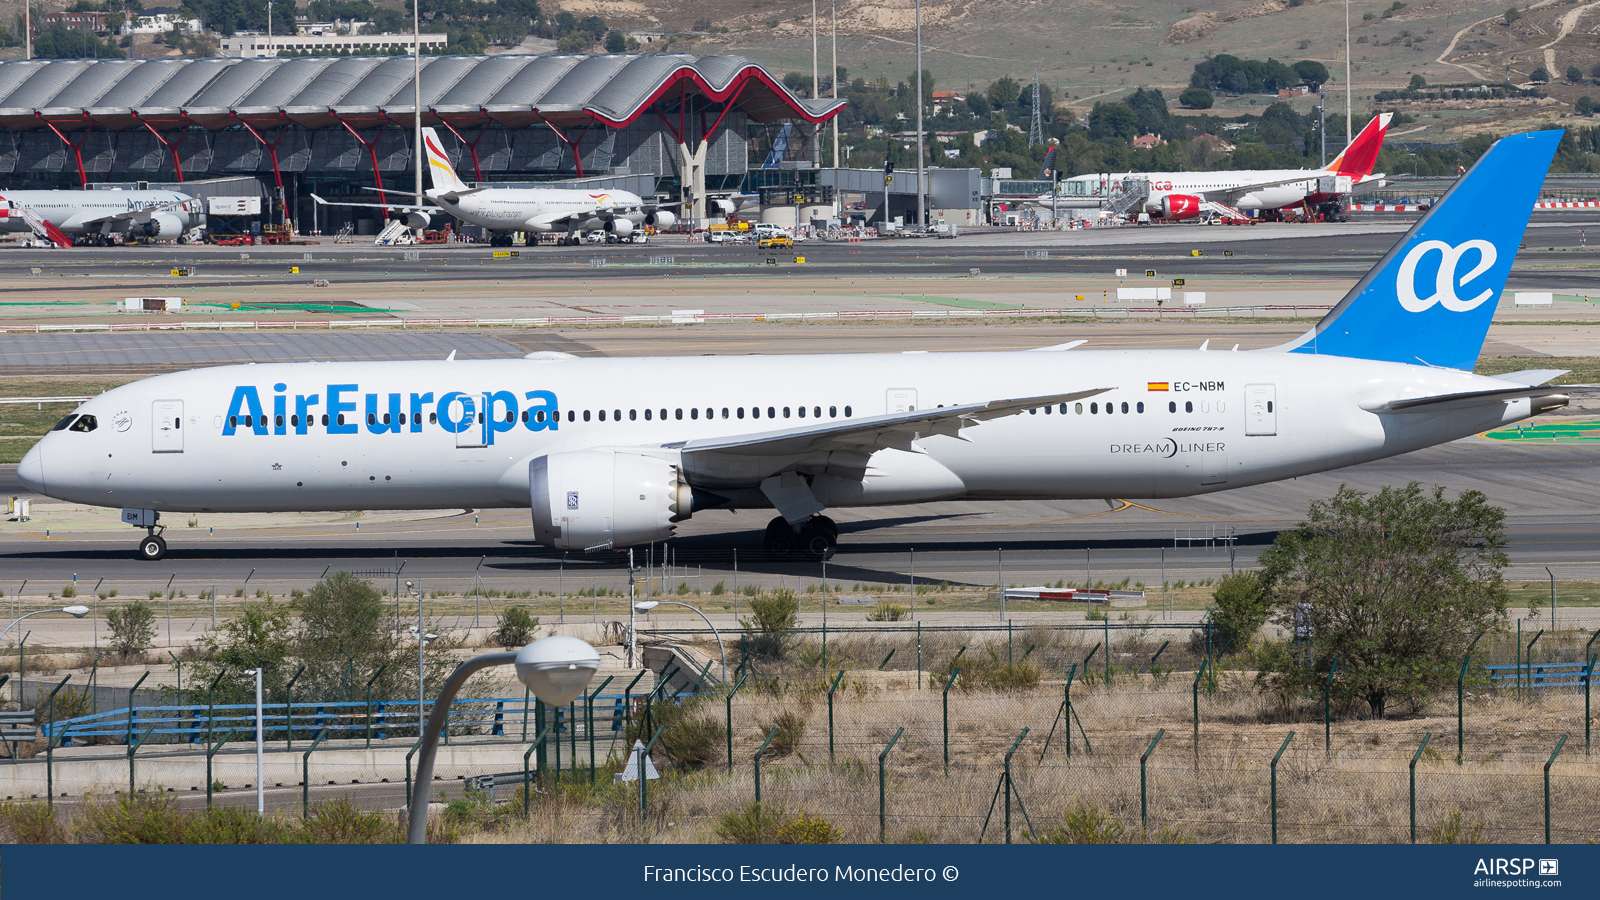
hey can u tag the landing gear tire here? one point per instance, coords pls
(818, 540)
(152, 548)
(780, 539)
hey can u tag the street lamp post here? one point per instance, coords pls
(261, 747)
(77, 612)
(647, 605)
(556, 669)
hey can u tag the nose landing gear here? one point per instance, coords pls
(817, 539)
(153, 547)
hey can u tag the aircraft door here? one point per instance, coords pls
(467, 415)
(902, 400)
(1260, 409)
(166, 432)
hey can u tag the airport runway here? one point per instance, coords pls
(1550, 492)
(1555, 242)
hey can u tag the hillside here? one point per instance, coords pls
(1088, 49)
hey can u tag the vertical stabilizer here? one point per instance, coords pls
(439, 168)
(1358, 159)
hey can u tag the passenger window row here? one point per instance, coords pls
(696, 413)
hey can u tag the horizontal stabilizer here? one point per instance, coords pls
(1543, 399)
(1531, 377)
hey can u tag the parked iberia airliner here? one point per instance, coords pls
(610, 453)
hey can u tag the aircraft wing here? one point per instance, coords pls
(1232, 193)
(895, 430)
(451, 196)
(429, 207)
(135, 214)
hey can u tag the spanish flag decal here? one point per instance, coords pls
(1158, 386)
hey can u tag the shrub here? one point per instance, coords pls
(69, 592)
(134, 819)
(237, 825)
(1083, 825)
(1240, 605)
(987, 671)
(757, 823)
(1196, 98)
(887, 612)
(1453, 831)
(30, 823)
(770, 625)
(133, 628)
(340, 822)
(516, 627)
(690, 737)
(718, 589)
(787, 729)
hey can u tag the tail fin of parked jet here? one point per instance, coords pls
(439, 168)
(1049, 163)
(1358, 159)
(1430, 299)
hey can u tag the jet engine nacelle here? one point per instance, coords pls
(587, 499)
(1180, 206)
(660, 218)
(164, 226)
(724, 206)
(620, 227)
(416, 219)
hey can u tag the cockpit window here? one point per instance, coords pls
(62, 425)
(85, 423)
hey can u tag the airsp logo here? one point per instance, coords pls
(1444, 287)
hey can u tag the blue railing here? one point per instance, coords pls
(1540, 675)
(381, 720)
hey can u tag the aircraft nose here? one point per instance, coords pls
(31, 470)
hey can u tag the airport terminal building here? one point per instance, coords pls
(340, 125)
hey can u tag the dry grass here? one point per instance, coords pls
(1356, 793)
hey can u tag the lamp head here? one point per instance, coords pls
(77, 612)
(557, 668)
(646, 605)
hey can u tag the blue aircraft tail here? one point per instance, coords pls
(1430, 299)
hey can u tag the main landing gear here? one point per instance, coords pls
(817, 539)
(153, 547)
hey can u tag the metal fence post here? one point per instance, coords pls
(757, 759)
(1548, 763)
(50, 746)
(131, 692)
(133, 747)
(644, 755)
(729, 701)
(1588, 679)
(1009, 753)
(1144, 809)
(1461, 680)
(305, 775)
(919, 646)
(1067, 702)
(409, 754)
(1327, 714)
(588, 723)
(952, 680)
(1196, 691)
(831, 689)
(882, 816)
(1528, 657)
(288, 711)
(369, 702)
(211, 751)
(527, 790)
(1275, 758)
(1414, 757)
(627, 699)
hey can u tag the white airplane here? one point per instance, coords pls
(1186, 195)
(612, 452)
(505, 210)
(56, 215)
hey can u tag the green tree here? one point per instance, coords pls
(133, 628)
(1196, 98)
(1574, 74)
(1113, 121)
(1540, 75)
(1393, 585)
(1417, 83)
(1512, 14)
(616, 42)
(1240, 605)
(1312, 73)
(1004, 92)
(516, 627)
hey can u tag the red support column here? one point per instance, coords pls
(472, 147)
(573, 145)
(77, 150)
(272, 148)
(172, 146)
(372, 155)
